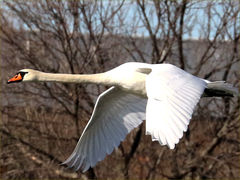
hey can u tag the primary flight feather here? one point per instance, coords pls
(162, 94)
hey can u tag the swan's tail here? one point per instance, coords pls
(219, 89)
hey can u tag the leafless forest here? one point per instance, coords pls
(41, 122)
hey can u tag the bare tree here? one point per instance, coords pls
(41, 122)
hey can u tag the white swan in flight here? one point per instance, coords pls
(162, 94)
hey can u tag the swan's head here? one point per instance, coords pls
(23, 76)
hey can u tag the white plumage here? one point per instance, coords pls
(105, 131)
(162, 94)
(170, 103)
(172, 95)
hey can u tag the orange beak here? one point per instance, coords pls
(16, 78)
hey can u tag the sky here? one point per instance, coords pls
(199, 17)
(195, 20)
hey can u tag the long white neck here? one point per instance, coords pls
(100, 78)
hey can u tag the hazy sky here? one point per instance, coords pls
(198, 18)
(195, 19)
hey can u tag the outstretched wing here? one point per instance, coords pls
(115, 114)
(172, 95)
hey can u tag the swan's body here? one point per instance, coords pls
(162, 94)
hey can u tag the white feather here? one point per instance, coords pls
(105, 131)
(171, 102)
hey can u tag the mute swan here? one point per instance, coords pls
(162, 94)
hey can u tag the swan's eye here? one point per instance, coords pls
(22, 73)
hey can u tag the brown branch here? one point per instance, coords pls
(35, 159)
(180, 35)
(40, 151)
